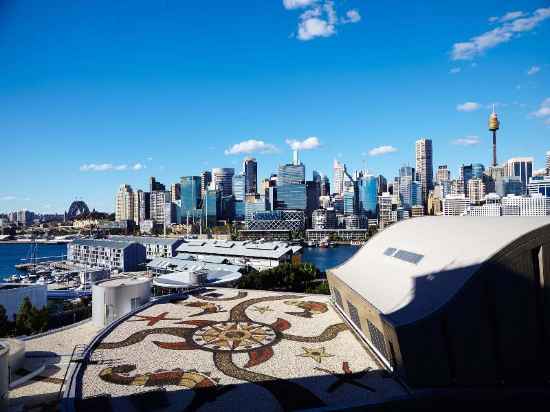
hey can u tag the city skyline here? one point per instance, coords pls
(86, 128)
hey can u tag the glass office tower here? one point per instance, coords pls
(367, 186)
(190, 197)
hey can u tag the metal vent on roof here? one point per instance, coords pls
(404, 255)
(195, 243)
(225, 245)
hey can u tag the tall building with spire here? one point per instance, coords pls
(494, 125)
(424, 165)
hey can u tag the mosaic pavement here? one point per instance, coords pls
(228, 349)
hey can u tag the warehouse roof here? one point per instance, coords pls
(428, 260)
(180, 265)
(245, 249)
(149, 239)
(107, 243)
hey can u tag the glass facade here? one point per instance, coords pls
(477, 170)
(190, 198)
(212, 206)
(292, 196)
(239, 187)
(368, 195)
(291, 174)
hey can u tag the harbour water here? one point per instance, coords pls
(12, 254)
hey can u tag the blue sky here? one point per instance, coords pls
(98, 94)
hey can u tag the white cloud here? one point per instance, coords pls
(352, 16)
(455, 70)
(307, 144)
(468, 107)
(320, 18)
(382, 150)
(251, 146)
(467, 141)
(512, 25)
(533, 70)
(543, 110)
(297, 4)
(539, 172)
(511, 15)
(108, 167)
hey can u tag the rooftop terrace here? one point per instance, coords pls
(229, 349)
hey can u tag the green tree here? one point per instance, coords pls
(30, 320)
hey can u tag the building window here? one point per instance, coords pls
(377, 339)
(135, 303)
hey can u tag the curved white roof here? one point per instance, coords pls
(414, 267)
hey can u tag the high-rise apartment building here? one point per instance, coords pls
(548, 163)
(476, 190)
(339, 170)
(250, 170)
(539, 184)
(385, 209)
(159, 199)
(455, 205)
(424, 165)
(325, 185)
(124, 203)
(443, 174)
(521, 167)
(536, 205)
(144, 199)
(222, 179)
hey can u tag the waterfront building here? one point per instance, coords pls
(455, 205)
(124, 203)
(539, 184)
(443, 174)
(355, 221)
(12, 296)
(154, 246)
(424, 166)
(476, 190)
(109, 254)
(367, 187)
(421, 298)
(293, 220)
(535, 205)
(250, 171)
(222, 179)
(24, 217)
(324, 219)
(341, 234)
(509, 185)
(521, 167)
(206, 179)
(155, 186)
(260, 255)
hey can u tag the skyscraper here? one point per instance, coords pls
(222, 178)
(494, 125)
(239, 192)
(521, 167)
(325, 186)
(339, 170)
(124, 203)
(155, 186)
(476, 190)
(367, 187)
(443, 174)
(424, 165)
(206, 179)
(291, 187)
(250, 170)
(175, 191)
(190, 196)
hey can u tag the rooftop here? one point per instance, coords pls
(148, 239)
(229, 349)
(107, 243)
(443, 252)
(252, 249)
(122, 281)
